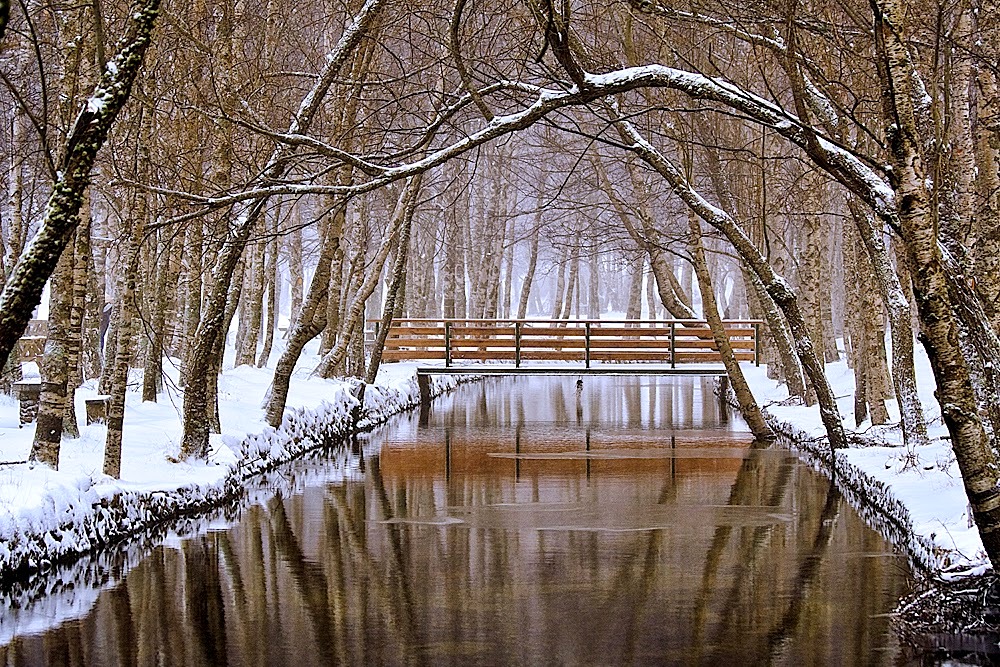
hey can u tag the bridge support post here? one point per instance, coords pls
(424, 385)
(447, 343)
(517, 344)
(756, 343)
(673, 343)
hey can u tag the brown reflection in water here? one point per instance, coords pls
(528, 542)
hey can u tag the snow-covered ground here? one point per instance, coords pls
(924, 490)
(46, 514)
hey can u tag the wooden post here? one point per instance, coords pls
(673, 341)
(447, 343)
(756, 343)
(424, 385)
(517, 344)
(586, 345)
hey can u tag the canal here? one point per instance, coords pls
(517, 521)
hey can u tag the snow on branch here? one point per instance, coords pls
(839, 161)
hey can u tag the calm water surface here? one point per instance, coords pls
(525, 522)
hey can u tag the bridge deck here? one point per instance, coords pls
(550, 347)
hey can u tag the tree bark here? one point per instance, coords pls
(54, 367)
(23, 290)
(313, 319)
(939, 330)
(744, 396)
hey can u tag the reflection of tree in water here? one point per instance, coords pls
(340, 574)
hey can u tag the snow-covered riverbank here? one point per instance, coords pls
(920, 496)
(47, 515)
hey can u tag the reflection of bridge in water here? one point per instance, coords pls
(744, 555)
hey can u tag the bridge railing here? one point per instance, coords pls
(476, 340)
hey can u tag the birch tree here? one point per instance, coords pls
(87, 135)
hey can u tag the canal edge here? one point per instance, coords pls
(127, 514)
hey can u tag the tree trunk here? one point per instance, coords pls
(295, 272)
(574, 270)
(939, 330)
(273, 299)
(744, 396)
(93, 308)
(152, 373)
(559, 293)
(594, 295)
(54, 366)
(23, 290)
(194, 285)
(121, 360)
(312, 321)
(634, 309)
(529, 274)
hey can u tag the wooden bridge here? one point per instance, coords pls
(567, 347)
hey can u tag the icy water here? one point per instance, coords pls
(517, 522)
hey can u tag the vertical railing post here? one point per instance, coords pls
(756, 343)
(673, 342)
(447, 343)
(586, 345)
(517, 344)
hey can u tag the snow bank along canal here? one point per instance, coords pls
(517, 521)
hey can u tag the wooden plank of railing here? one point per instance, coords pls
(573, 340)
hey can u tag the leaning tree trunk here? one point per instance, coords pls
(311, 322)
(233, 300)
(791, 366)
(776, 286)
(405, 209)
(529, 276)
(90, 130)
(744, 396)
(202, 358)
(398, 274)
(940, 332)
